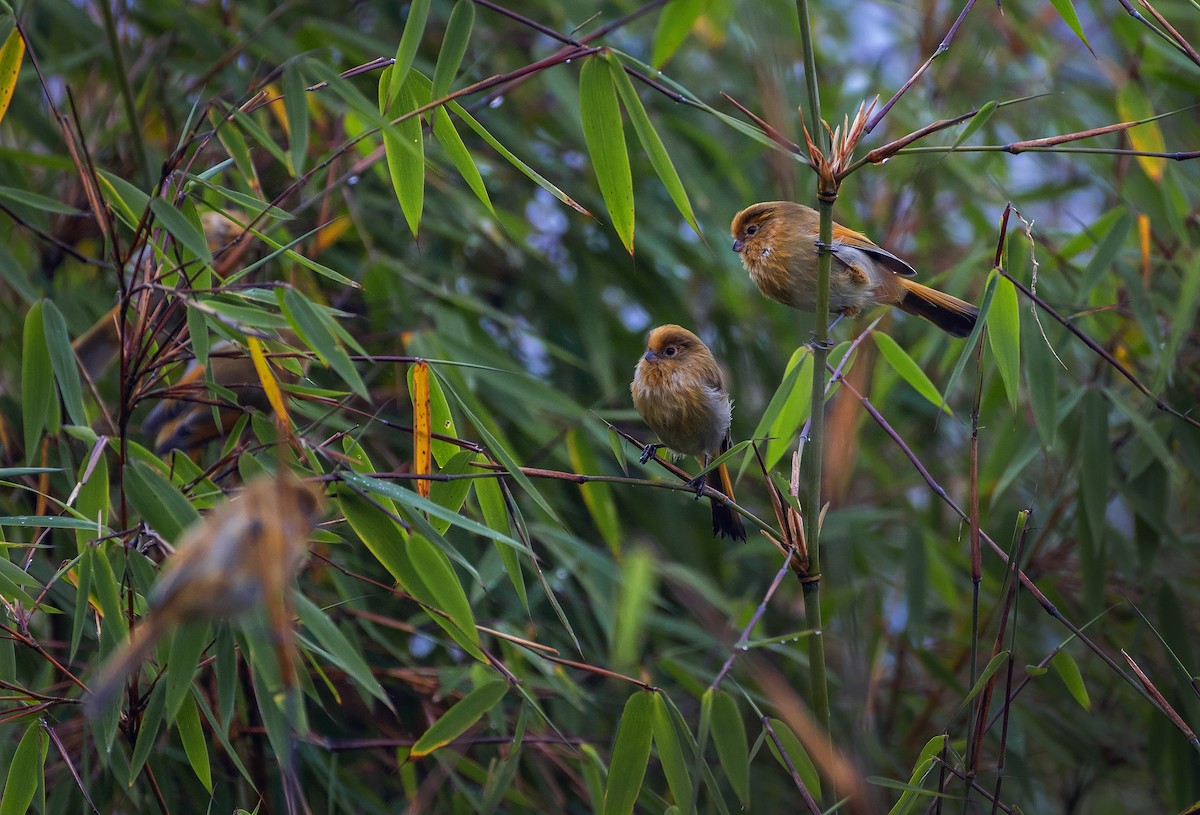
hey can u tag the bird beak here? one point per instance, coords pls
(739, 245)
(650, 356)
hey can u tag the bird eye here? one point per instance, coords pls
(750, 230)
(669, 350)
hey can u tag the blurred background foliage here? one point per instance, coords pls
(532, 315)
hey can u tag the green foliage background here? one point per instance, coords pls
(532, 315)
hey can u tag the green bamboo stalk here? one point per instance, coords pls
(816, 438)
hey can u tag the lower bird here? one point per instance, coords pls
(242, 555)
(678, 390)
(778, 242)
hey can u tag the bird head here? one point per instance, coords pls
(670, 346)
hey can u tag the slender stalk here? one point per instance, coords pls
(814, 455)
(813, 111)
(135, 130)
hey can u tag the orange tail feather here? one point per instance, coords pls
(725, 521)
(947, 312)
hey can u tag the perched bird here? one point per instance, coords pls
(678, 390)
(778, 243)
(184, 420)
(241, 555)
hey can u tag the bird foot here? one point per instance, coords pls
(698, 484)
(648, 452)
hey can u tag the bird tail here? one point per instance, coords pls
(943, 310)
(724, 520)
(122, 664)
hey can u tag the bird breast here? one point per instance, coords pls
(689, 416)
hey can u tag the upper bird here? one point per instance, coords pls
(778, 242)
(678, 389)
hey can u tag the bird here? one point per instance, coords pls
(678, 390)
(242, 554)
(778, 242)
(184, 419)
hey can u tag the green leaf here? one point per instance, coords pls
(195, 744)
(341, 651)
(797, 755)
(630, 754)
(451, 495)
(66, 371)
(968, 348)
(162, 506)
(35, 201)
(1066, 10)
(636, 595)
(660, 159)
(921, 768)
(446, 134)
(410, 40)
(1068, 671)
(495, 515)
(458, 719)
(597, 496)
(512, 159)
(994, 664)
(235, 145)
(188, 234)
(729, 735)
(25, 771)
(454, 46)
(909, 371)
(975, 122)
(39, 407)
(404, 148)
(1041, 379)
(674, 25)
(127, 200)
(295, 104)
(605, 136)
(1004, 336)
(187, 643)
(787, 410)
(670, 755)
(310, 325)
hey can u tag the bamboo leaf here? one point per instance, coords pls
(195, 745)
(660, 159)
(309, 324)
(1068, 671)
(797, 755)
(1004, 336)
(410, 40)
(341, 651)
(674, 25)
(670, 754)
(630, 754)
(459, 718)
(729, 735)
(404, 148)
(597, 496)
(909, 371)
(605, 136)
(39, 407)
(454, 46)
(1066, 10)
(188, 234)
(26, 770)
(11, 54)
(295, 104)
(422, 427)
(62, 358)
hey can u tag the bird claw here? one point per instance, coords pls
(698, 484)
(825, 247)
(648, 452)
(823, 345)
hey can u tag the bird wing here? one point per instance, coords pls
(860, 241)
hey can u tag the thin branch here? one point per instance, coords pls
(942, 48)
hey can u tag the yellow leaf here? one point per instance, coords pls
(1133, 105)
(269, 383)
(1143, 228)
(422, 427)
(11, 54)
